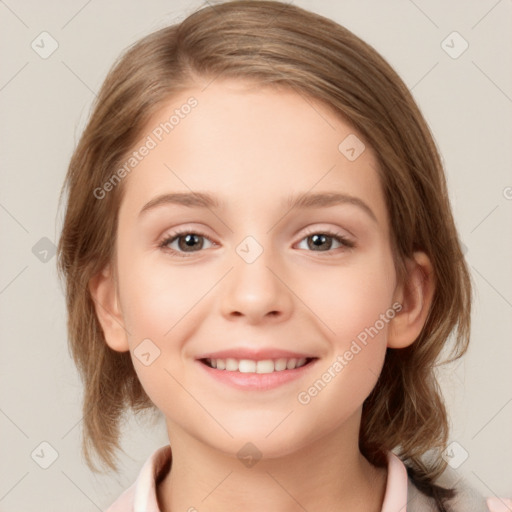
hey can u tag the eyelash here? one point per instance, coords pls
(348, 244)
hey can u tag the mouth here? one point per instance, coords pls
(256, 369)
(261, 366)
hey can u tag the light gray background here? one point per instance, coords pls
(44, 104)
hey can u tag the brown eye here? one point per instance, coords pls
(184, 242)
(323, 241)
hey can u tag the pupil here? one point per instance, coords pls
(190, 240)
(321, 239)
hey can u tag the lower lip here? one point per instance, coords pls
(258, 381)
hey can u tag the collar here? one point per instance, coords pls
(143, 491)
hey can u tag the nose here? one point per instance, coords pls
(258, 291)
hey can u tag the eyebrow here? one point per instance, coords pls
(303, 200)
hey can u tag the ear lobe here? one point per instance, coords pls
(104, 294)
(415, 295)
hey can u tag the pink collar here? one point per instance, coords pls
(395, 499)
(143, 498)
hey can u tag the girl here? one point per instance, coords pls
(258, 243)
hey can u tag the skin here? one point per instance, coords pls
(252, 147)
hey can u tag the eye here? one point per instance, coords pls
(317, 241)
(187, 242)
(184, 242)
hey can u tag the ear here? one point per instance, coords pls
(415, 295)
(104, 294)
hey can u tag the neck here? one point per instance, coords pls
(325, 475)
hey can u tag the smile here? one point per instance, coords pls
(256, 374)
(253, 366)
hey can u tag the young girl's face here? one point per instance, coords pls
(251, 278)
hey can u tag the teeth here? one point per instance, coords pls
(251, 366)
(266, 366)
(291, 363)
(231, 365)
(245, 366)
(280, 365)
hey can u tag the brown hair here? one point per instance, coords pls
(273, 44)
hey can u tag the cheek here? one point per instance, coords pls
(361, 309)
(154, 308)
(156, 298)
(162, 307)
(355, 310)
(351, 300)
(348, 375)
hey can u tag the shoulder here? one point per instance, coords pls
(405, 492)
(142, 495)
(125, 502)
(466, 498)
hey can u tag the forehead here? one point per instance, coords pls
(243, 141)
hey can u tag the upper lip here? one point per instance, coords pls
(255, 354)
